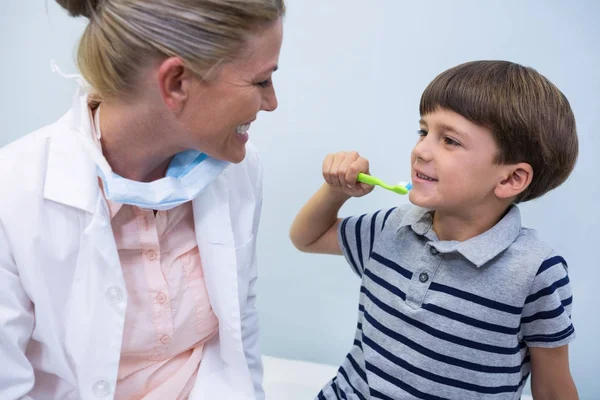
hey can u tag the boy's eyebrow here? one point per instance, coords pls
(445, 127)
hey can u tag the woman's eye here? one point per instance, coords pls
(264, 84)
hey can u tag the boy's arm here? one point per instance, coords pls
(315, 228)
(550, 375)
(547, 329)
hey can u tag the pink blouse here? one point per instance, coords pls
(169, 317)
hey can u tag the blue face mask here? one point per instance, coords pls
(187, 175)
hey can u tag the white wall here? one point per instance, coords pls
(351, 76)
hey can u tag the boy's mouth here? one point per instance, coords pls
(421, 175)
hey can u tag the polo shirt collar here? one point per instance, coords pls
(478, 250)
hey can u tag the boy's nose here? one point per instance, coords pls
(422, 150)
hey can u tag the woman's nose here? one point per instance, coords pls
(270, 100)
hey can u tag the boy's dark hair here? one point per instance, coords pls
(530, 118)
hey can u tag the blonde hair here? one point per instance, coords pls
(124, 35)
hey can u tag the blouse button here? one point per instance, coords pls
(151, 255)
(165, 339)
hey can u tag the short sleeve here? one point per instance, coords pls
(546, 318)
(356, 236)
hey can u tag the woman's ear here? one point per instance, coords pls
(516, 178)
(175, 82)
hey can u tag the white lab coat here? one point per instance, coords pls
(62, 293)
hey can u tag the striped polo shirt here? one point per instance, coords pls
(448, 319)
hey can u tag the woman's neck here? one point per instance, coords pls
(134, 142)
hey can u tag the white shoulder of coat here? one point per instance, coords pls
(18, 153)
(23, 163)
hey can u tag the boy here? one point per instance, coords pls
(458, 301)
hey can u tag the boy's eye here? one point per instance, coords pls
(450, 141)
(422, 132)
(264, 84)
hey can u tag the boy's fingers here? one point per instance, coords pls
(351, 175)
(348, 160)
(363, 165)
(341, 170)
(327, 163)
(335, 168)
(366, 188)
(359, 165)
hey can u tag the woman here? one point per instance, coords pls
(127, 231)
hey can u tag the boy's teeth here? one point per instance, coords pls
(243, 129)
(425, 177)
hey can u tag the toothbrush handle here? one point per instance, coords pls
(368, 179)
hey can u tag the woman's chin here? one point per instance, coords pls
(235, 156)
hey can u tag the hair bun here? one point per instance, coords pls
(77, 8)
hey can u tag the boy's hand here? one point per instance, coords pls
(341, 170)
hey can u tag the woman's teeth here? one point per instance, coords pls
(242, 129)
(425, 177)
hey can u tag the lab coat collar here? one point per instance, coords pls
(71, 173)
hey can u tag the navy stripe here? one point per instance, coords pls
(387, 214)
(335, 387)
(407, 388)
(357, 368)
(554, 337)
(547, 290)
(361, 308)
(383, 283)
(342, 394)
(390, 264)
(347, 247)
(373, 220)
(375, 394)
(439, 357)
(359, 326)
(567, 301)
(550, 340)
(473, 298)
(438, 378)
(471, 321)
(544, 315)
(354, 391)
(358, 343)
(524, 379)
(321, 396)
(359, 241)
(437, 333)
(551, 262)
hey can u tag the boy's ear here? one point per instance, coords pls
(516, 178)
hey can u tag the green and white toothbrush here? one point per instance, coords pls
(371, 180)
